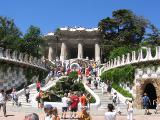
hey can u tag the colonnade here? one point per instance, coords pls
(64, 53)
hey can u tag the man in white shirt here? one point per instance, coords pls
(3, 102)
(65, 105)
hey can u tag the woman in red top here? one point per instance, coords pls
(38, 86)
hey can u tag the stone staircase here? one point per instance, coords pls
(22, 98)
(106, 99)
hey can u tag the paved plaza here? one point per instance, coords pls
(18, 113)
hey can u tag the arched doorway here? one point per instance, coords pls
(151, 92)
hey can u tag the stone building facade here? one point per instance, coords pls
(147, 81)
(69, 43)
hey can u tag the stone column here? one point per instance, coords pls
(97, 52)
(80, 51)
(63, 54)
(50, 53)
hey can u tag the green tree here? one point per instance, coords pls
(124, 28)
(10, 35)
(32, 42)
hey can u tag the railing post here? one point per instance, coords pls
(1, 52)
(8, 54)
(158, 52)
(122, 59)
(30, 59)
(118, 61)
(128, 57)
(149, 56)
(156, 55)
(115, 62)
(26, 58)
(133, 56)
(20, 57)
(14, 55)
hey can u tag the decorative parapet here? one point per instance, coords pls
(130, 58)
(25, 59)
(148, 72)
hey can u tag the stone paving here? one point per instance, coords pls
(18, 113)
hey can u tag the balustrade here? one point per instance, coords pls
(131, 58)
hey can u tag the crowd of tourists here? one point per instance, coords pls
(75, 105)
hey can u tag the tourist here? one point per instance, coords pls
(38, 98)
(103, 87)
(32, 116)
(95, 83)
(48, 112)
(116, 102)
(84, 115)
(74, 104)
(158, 105)
(27, 94)
(146, 102)
(109, 88)
(64, 106)
(55, 115)
(3, 99)
(88, 100)
(129, 110)
(83, 100)
(111, 114)
(38, 86)
(14, 97)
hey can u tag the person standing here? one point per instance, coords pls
(27, 94)
(83, 100)
(38, 86)
(146, 102)
(14, 97)
(3, 99)
(111, 114)
(116, 102)
(74, 104)
(129, 110)
(65, 106)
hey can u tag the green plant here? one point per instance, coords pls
(122, 91)
(73, 75)
(118, 75)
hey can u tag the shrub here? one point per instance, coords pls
(122, 91)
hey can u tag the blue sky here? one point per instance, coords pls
(52, 14)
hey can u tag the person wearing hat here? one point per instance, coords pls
(48, 112)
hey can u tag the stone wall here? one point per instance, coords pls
(142, 78)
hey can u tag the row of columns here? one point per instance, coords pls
(64, 52)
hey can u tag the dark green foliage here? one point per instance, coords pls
(123, 28)
(73, 75)
(33, 41)
(66, 84)
(122, 91)
(9, 33)
(120, 75)
(119, 51)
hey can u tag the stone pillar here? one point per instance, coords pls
(80, 51)
(97, 52)
(50, 53)
(63, 54)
